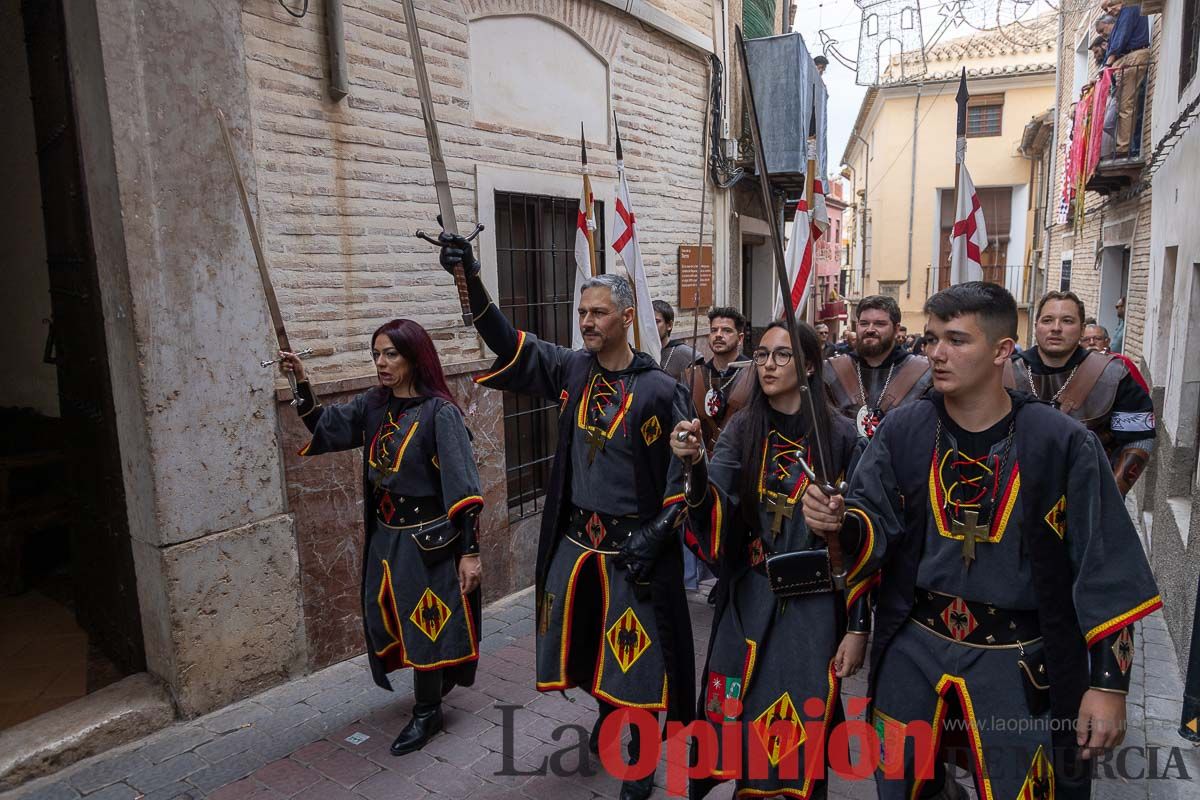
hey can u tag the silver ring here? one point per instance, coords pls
(682, 436)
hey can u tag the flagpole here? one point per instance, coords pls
(960, 154)
(811, 168)
(591, 214)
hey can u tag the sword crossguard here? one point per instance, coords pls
(431, 240)
(830, 489)
(302, 354)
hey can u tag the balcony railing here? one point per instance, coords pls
(1017, 278)
(1094, 161)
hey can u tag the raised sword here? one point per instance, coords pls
(263, 274)
(441, 180)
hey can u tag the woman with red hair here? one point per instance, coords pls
(421, 505)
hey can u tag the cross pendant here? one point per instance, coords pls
(972, 532)
(778, 506)
(595, 440)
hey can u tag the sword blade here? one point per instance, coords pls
(252, 229)
(437, 162)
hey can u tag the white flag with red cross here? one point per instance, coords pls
(644, 335)
(969, 237)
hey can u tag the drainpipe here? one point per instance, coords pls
(862, 229)
(912, 192)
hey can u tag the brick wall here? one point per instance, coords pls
(342, 187)
(1100, 211)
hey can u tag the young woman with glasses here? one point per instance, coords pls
(781, 636)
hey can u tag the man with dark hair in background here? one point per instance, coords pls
(677, 355)
(1093, 387)
(718, 379)
(1009, 573)
(878, 375)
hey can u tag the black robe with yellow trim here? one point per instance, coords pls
(527, 365)
(411, 448)
(1090, 576)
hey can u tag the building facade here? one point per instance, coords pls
(1169, 500)
(1099, 217)
(226, 563)
(900, 157)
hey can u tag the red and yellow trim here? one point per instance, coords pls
(674, 499)
(859, 589)
(983, 782)
(1123, 620)
(388, 614)
(466, 502)
(806, 788)
(864, 555)
(618, 418)
(937, 500)
(482, 379)
(565, 643)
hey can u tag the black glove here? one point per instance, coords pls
(641, 549)
(455, 251)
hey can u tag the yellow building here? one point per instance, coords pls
(900, 158)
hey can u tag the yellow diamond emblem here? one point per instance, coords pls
(779, 729)
(651, 430)
(627, 639)
(431, 615)
(1056, 517)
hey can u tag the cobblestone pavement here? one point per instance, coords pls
(299, 740)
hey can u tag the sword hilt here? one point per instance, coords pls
(423, 235)
(460, 277)
(832, 543)
(302, 354)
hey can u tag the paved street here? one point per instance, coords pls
(326, 736)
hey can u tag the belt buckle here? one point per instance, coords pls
(595, 530)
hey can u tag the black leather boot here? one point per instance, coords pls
(426, 721)
(602, 714)
(640, 789)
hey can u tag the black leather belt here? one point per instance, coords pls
(973, 623)
(600, 532)
(396, 511)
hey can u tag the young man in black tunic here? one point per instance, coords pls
(612, 613)
(1011, 574)
(878, 374)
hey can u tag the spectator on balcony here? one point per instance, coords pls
(1099, 48)
(1128, 54)
(821, 63)
(1105, 25)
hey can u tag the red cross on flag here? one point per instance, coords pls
(585, 254)
(625, 243)
(969, 237)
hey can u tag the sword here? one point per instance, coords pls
(441, 181)
(836, 560)
(252, 229)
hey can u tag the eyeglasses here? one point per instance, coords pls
(782, 357)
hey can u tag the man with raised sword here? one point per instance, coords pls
(612, 616)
